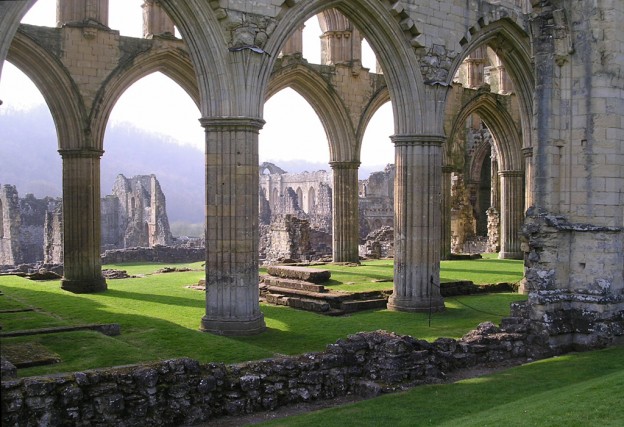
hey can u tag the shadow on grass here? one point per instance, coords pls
(155, 298)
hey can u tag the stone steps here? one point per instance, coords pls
(312, 275)
(327, 302)
(293, 284)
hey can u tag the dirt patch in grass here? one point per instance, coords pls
(27, 354)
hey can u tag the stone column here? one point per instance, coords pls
(81, 221)
(528, 167)
(79, 11)
(512, 208)
(155, 20)
(494, 183)
(417, 223)
(345, 212)
(294, 44)
(445, 213)
(232, 306)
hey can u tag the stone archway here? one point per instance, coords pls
(170, 59)
(507, 143)
(417, 140)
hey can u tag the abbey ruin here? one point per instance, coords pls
(507, 117)
(31, 229)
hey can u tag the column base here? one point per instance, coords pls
(90, 286)
(511, 255)
(234, 328)
(414, 305)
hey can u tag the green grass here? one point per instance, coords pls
(159, 319)
(583, 389)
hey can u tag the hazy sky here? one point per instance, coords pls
(292, 130)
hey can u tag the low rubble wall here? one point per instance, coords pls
(186, 392)
(156, 253)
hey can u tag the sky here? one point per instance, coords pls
(292, 130)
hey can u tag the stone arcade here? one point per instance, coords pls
(563, 61)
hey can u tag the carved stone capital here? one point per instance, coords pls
(81, 153)
(248, 124)
(418, 140)
(344, 165)
(511, 174)
(527, 152)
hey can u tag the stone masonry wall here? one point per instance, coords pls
(186, 392)
(574, 298)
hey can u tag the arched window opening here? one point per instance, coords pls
(300, 197)
(143, 137)
(293, 137)
(377, 149)
(311, 200)
(24, 142)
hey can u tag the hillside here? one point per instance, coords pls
(30, 161)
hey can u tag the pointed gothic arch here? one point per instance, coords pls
(328, 107)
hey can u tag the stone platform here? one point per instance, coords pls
(302, 288)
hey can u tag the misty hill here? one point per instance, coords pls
(29, 160)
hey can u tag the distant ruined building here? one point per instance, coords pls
(135, 215)
(31, 229)
(296, 211)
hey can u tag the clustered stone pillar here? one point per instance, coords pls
(294, 44)
(512, 205)
(417, 223)
(528, 167)
(155, 19)
(232, 304)
(445, 213)
(81, 221)
(345, 211)
(78, 11)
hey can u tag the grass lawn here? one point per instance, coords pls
(583, 389)
(159, 318)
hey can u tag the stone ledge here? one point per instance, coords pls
(293, 284)
(313, 275)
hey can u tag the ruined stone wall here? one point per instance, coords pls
(319, 218)
(53, 235)
(157, 253)
(289, 239)
(574, 234)
(186, 392)
(32, 229)
(376, 202)
(33, 212)
(10, 252)
(142, 211)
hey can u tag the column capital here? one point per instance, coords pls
(418, 140)
(81, 153)
(344, 165)
(252, 124)
(511, 174)
(527, 152)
